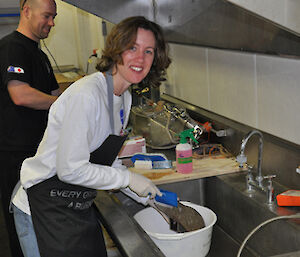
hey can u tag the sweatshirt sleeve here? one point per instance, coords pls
(79, 120)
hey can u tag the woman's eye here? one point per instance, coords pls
(133, 48)
(149, 52)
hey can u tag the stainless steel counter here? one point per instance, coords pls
(129, 237)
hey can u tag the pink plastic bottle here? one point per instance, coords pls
(184, 161)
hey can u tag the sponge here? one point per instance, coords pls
(141, 164)
(289, 198)
(149, 157)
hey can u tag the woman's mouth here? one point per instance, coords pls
(135, 68)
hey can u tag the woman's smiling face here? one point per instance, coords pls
(137, 60)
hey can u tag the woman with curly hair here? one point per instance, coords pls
(122, 38)
(77, 155)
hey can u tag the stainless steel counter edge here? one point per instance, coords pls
(129, 237)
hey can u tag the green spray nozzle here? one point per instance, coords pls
(187, 134)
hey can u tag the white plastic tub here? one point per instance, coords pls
(171, 243)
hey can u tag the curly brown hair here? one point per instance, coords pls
(123, 36)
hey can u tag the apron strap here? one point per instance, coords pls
(110, 95)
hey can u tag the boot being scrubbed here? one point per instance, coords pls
(181, 218)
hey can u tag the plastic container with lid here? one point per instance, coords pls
(289, 198)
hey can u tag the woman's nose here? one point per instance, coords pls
(140, 55)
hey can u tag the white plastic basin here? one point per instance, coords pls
(171, 243)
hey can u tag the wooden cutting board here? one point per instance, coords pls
(202, 168)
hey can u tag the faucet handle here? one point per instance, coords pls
(250, 167)
(269, 177)
(270, 189)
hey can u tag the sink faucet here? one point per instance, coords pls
(241, 158)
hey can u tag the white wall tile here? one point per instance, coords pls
(189, 74)
(232, 85)
(278, 82)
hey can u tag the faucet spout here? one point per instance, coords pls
(259, 176)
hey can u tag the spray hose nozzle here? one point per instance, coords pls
(189, 133)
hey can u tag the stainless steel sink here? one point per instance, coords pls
(222, 243)
(238, 214)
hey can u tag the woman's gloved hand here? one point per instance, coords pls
(142, 185)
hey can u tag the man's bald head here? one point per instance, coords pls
(33, 3)
(37, 18)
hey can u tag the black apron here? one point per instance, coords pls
(64, 216)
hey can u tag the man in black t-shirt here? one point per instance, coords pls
(27, 89)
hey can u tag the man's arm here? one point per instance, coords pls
(24, 95)
(56, 92)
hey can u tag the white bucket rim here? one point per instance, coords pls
(180, 236)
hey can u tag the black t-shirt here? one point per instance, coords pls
(22, 128)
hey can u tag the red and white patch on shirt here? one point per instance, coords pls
(15, 69)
